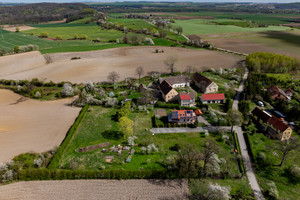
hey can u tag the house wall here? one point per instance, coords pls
(212, 88)
(212, 101)
(171, 96)
(177, 85)
(287, 134)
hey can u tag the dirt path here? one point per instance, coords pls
(31, 125)
(96, 189)
(96, 65)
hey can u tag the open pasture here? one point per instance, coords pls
(96, 65)
(8, 40)
(32, 126)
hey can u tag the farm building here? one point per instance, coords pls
(176, 81)
(182, 116)
(274, 127)
(167, 91)
(213, 98)
(187, 99)
(204, 84)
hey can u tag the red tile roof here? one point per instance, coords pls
(278, 124)
(185, 97)
(198, 112)
(209, 97)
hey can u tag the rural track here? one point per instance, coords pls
(241, 139)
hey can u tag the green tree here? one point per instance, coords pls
(234, 117)
(16, 49)
(244, 108)
(126, 125)
(17, 30)
(58, 37)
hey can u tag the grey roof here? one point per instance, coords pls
(174, 79)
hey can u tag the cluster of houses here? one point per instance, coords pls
(275, 127)
(168, 85)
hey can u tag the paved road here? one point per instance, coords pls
(246, 159)
(189, 130)
(247, 163)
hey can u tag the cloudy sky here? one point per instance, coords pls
(257, 1)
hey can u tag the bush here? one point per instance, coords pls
(58, 37)
(293, 174)
(44, 35)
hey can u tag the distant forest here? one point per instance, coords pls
(120, 7)
(38, 13)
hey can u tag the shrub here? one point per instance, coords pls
(271, 192)
(58, 37)
(293, 173)
(44, 35)
(67, 90)
(209, 191)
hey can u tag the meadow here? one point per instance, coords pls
(99, 126)
(203, 26)
(8, 40)
(138, 24)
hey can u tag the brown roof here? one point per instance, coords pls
(278, 124)
(277, 93)
(263, 115)
(200, 78)
(174, 79)
(165, 87)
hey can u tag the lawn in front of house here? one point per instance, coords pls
(99, 126)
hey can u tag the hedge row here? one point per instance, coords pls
(62, 174)
(55, 160)
(249, 147)
(237, 146)
(174, 106)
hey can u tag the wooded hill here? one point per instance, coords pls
(41, 12)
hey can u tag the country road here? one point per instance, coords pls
(246, 159)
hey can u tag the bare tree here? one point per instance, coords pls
(113, 76)
(286, 147)
(170, 63)
(140, 71)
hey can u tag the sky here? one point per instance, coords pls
(61, 1)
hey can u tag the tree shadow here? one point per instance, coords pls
(283, 36)
(114, 135)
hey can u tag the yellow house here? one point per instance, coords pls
(278, 129)
(168, 93)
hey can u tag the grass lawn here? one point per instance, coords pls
(287, 190)
(201, 26)
(98, 127)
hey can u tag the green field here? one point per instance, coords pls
(138, 24)
(273, 19)
(202, 26)
(11, 39)
(271, 172)
(98, 127)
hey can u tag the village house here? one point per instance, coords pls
(212, 98)
(168, 92)
(274, 127)
(278, 94)
(176, 81)
(182, 116)
(204, 84)
(187, 99)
